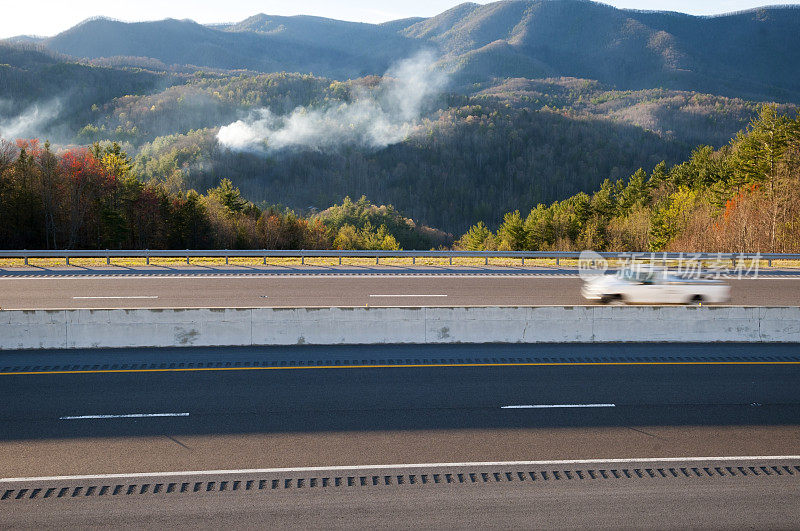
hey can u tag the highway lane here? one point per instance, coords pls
(743, 400)
(373, 289)
(257, 417)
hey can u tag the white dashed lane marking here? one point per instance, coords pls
(558, 406)
(129, 416)
(405, 296)
(118, 297)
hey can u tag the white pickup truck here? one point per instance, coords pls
(654, 286)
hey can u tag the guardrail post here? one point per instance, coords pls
(451, 260)
(558, 261)
(303, 259)
(413, 260)
(265, 259)
(486, 261)
(226, 258)
(377, 260)
(108, 258)
(26, 260)
(769, 262)
(187, 256)
(340, 260)
(146, 257)
(67, 259)
(523, 261)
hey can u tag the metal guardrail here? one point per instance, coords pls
(303, 254)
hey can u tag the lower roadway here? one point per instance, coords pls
(396, 287)
(616, 435)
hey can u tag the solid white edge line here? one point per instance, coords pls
(130, 416)
(408, 466)
(558, 406)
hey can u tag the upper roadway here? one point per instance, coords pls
(402, 436)
(194, 287)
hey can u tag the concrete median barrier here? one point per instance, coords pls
(46, 329)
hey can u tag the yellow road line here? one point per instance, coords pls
(418, 366)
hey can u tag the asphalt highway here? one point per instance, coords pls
(159, 288)
(403, 436)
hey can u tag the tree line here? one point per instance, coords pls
(91, 199)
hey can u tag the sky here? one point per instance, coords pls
(50, 17)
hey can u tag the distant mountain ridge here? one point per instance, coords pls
(260, 43)
(743, 54)
(746, 54)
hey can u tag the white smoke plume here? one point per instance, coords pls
(374, 119)
(31, 123)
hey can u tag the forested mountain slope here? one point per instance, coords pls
(468, 162)
(41, 92)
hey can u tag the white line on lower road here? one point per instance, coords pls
(413, 296)
(131, 416)
(119, 297)
(558, 406)
(411, 466)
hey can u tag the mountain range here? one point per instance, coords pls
(747, 54)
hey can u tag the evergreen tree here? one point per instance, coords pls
(512, 232)
(229, 196)
(477, 238)
(635, 193)
(539, 228)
